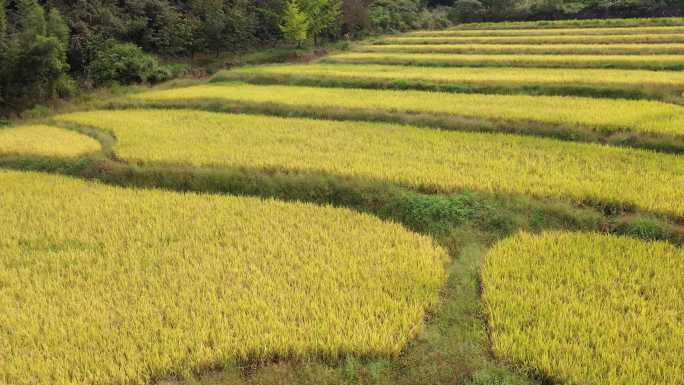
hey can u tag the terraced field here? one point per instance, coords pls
(425, 209)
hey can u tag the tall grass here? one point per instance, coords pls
(421, 158)
(583, 308)
(104, 285)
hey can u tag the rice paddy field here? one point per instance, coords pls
(496, 203)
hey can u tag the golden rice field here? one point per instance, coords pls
(105, 285)
(45, 141)
(656, 38)
(502, 281)
(650, 62)
(585, 308)
(637, 116)
(465, 76)
(546, 49)
(430, 159)
(575, 23)
(551, 31)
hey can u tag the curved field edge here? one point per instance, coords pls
(431, 160)
(275, 280)
(44, 140)
(647, 124)
(580, 307)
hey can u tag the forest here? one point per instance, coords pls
(56, 48)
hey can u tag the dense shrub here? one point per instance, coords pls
(467, 11)
(125, 63)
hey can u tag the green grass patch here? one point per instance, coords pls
(657, 38)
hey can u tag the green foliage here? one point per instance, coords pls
(31, 19)
(57, 27)
(322, 15)
(467, 11)
(33, 57)
(394, 15)
(435, 214)
(124, 63)
(295, 26)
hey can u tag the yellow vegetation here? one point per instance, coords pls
(45, 141)
(555, 49)
(587, 308)
(552, 31)
(104, 285)
(470, 75)
(652, 62)
(600, 114)
(431, 159)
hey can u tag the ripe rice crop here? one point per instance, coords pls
(45, 141)
(469, 76)
(646, 62)
(105, 285)
(576, 23)
(417, 157)
(625, 115)
(551, 32)
(554, 39)
(585, 308)
(546, 49)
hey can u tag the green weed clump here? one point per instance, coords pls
(421, 158)
(41, 140)
(105, 285)
(585, 308)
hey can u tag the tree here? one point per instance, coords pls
(31, 19)
(4, 54)
(34, 57)
(56, 27)
(295, 26)
(323, 16)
